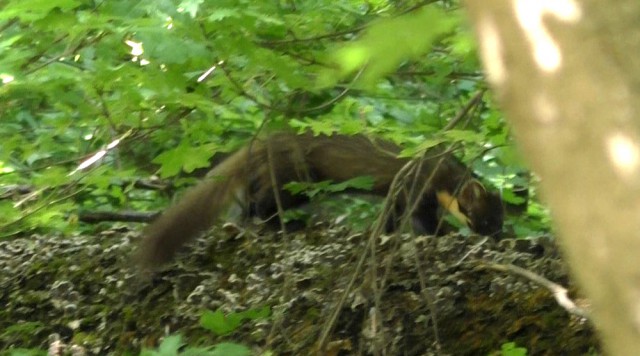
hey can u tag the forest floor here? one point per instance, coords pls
(448, 295)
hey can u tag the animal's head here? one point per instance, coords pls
(479, 209)
(482, 209)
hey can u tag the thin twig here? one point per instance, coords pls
(465, 110)
(559, 292)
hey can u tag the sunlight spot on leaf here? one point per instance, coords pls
(6, 78)
(136, 47)
(5, 169)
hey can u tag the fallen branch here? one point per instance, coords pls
(129, 216)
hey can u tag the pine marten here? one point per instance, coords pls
(247, 174)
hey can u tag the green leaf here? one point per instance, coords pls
(170, 345)
(230, 349)
(510, 349)
(464, 136)
(223, 325)
(222, 13)
(218, 323)
(30, 10)
(311, 189)
(185, 158)
(258, 313)
(10, 41)
(52, 177)
(362, 183)
(27, 352)
(387, 43)
(191, 6)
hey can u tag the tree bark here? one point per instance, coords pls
(567, 74)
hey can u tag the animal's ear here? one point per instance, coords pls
(471, 192)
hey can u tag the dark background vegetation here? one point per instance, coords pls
(160, 87)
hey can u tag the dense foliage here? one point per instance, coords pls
(98, 94)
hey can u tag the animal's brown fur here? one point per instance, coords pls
(247, 173)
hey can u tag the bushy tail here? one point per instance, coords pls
(194, 213)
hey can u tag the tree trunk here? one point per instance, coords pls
(567, 74)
